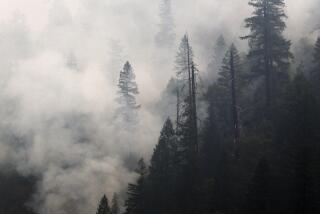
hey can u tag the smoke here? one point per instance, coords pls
(58, 69)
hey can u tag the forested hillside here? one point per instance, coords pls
(258, 149)
(160, 107)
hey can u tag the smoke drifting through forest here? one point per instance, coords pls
(59, 65)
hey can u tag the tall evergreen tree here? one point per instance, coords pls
(231, 79)
(183, 62)
(269, 51)
(216, 57)
(166, 35)
(183, 66)
(136, 201)
(225, 97)
(115, 206)
(186, 80)
(220, 48)
(163, 170)
(221, 45)
(128, 89)
(187, 130)
(104, 206)
(160, 161)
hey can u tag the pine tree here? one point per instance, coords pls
(231, 61)
(128, 89)
(103, 206)
(187, 129)
(115, 206)
(162, 170)
(269, 51)
(186, 114)
(160, 160)
(221, 45)
(225, 99)
(183, 62)
(166, 35)
(183, 67)
(219, 49)
(136, 201)
(232, 81)
(221, 129)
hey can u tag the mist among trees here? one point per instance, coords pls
(152, 119)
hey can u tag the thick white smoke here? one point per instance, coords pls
(58, 69)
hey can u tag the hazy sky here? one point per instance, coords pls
(57, 120)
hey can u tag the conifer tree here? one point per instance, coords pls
(232, 80)
(221, 45)
(166, 35)
(136, 201)
(104, 206)
(225, 99)
(162, 170)
(128, 89)
(187, 129)
(183, 62)
(218, 51)
(115, 206)
(186, 80)
(160, 161)
(269, 51)
(183, 67)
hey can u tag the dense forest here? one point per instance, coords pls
(258, 150)
(241, 138)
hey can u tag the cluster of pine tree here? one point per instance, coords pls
(258, 150)
(104, 207)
